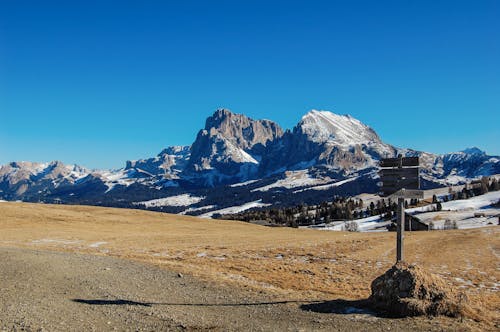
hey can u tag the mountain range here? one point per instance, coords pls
(236, 163)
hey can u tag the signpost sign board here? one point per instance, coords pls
(396, 178)
(397, 162)
(400, 178)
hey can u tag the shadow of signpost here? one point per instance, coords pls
(149, 304)
(112, 302)
(338, 306)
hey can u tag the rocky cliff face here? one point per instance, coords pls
(230, 147)
(242, 131)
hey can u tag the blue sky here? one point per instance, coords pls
(100, 82)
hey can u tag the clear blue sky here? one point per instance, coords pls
(100, 82)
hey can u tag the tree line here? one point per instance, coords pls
(342, 208)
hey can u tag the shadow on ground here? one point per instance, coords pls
(149, 304)
(112, 302)
(340, 306)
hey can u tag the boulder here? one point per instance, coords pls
(408, 290)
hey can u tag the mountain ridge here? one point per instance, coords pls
(325, 154)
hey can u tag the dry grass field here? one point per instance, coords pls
(293, 263)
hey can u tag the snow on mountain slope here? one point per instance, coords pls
(338, 142)
(344, 130)
(27, 178)
(242, 184)
(369, 224)
(18, 171)
(235, 209)
(329, 185)
(456, 167)
(122, 177)
(473, 203)
(478, 211)
(467, 213)
(196, 209)
(169, 163)
(294, 179)
(178, 200)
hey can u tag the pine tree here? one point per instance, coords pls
(494, 185)
(484, 185)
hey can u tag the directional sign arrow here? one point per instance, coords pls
(399, 172)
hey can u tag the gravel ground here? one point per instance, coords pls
(53, 291)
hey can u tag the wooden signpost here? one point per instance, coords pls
(400, 179)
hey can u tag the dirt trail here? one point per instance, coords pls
(54, 291)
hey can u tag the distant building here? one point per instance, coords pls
(412, 223)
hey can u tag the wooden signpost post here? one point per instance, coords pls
(400, 178)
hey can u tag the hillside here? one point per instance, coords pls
(290, 263)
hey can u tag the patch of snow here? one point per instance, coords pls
(473, 203)
(235, 209)
(454, 179)
(369, 224)
(97, 244)
(241, 184)
(465, 282)
(119, 177)
(76, 172)
(466, 213)
(57, 241)
(207, 207)
(293, 179)
(247, 158)
(328, 186)
(179, 200)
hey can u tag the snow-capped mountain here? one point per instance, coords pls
(340, 143)
(457, 167)
(22, 179)
(168, 164)
(236, 162)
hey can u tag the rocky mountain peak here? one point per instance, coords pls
(474, 151)
(220, 116)
(343, 130)
(230, 141)
(175, 150)
(241, 130)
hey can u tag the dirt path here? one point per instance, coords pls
(53, 291)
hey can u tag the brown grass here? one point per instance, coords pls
(295, 263)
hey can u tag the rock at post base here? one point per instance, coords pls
(408, 290)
